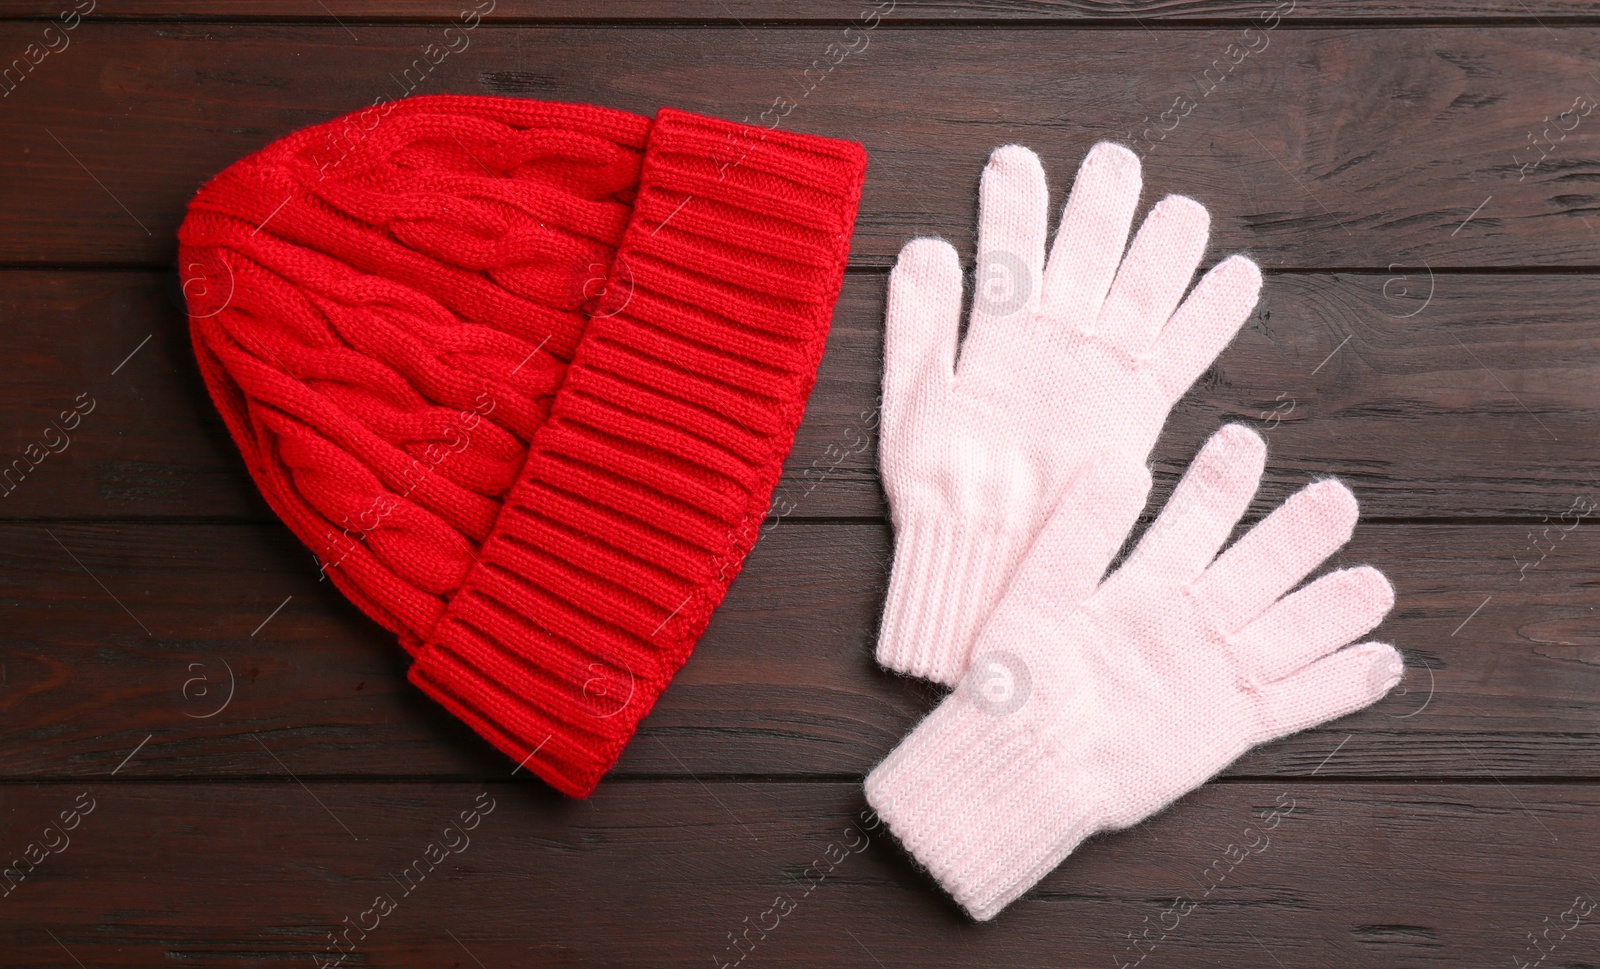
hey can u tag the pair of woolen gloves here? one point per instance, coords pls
(1085, 702)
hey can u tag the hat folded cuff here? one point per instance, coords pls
(648, 484)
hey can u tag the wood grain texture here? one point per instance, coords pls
(659, 874)
(1327, 149)
(761, 13)
(1503, 680)
(1435, 395)
(261, 770)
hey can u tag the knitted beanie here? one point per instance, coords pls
(522, 376)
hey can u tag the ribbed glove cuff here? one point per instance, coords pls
(982, 802)
(947, 579)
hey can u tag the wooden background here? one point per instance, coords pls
(259, 770)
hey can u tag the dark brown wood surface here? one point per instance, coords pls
(659, 873)
(111, 137)
(767, 12)
(1429, 332)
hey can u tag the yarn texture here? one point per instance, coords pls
(522, 376)
(1067, 367)
(1083, 717)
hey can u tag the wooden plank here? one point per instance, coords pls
(151, 442)
(665, 874)
(768, 12)
(1497, 625)
(1454, 396)
(1328, 148)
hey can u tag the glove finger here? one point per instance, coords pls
(1276, 554)
(1313, 622)
(921, 322)
(1202, 511)
(1349, 680)
(1013, 209)
(1160, 264)
(1093, 235)
(1205, 324)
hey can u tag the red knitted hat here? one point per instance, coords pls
(522, 375)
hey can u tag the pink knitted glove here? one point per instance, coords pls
(1064, 367)
(1077, 718)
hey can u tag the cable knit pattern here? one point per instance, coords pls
(523, 376)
